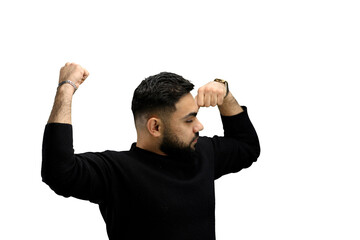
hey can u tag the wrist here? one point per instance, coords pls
(226, 85)
(229, 98)
(66, 89)
(68, 82)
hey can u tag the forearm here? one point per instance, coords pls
(76, 75)
(230, 106)
(61, 111)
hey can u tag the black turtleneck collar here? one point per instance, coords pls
(185, 165)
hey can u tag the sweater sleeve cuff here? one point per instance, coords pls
(58, 135)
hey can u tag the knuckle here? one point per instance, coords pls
(208, 89)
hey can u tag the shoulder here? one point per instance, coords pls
(108, 156)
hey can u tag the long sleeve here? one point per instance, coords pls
(68, 174)
(239, 147)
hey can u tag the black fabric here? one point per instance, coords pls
(142, 195)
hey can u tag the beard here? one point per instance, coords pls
(173, 146)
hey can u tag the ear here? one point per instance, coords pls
(154, 126)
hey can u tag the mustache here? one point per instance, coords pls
(196, 136)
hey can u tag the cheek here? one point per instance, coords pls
(185, 133)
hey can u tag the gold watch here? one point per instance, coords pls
(225, 83)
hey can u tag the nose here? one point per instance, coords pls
(198, 126)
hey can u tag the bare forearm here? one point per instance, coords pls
(61, 111)
(72, 75)
(230, 106)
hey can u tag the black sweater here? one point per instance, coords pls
(143, 195)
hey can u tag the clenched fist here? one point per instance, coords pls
(211, 94)
(73, 72)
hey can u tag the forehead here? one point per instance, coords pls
(184, 106)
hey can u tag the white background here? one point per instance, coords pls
(294, 64)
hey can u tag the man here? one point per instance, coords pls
(163, 187)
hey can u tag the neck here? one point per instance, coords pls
(149, 147)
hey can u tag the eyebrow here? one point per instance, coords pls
(192, 114)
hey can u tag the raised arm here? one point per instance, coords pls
(69, 174)
(239, 147)
(74, 74)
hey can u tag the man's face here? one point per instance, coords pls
(182, 128)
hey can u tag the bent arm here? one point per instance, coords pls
(66, 173)
(239, 147)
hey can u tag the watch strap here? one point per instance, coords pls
(223, 82)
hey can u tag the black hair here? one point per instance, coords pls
(159, 93)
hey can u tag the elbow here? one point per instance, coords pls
(253, 153)
(255, 149)
(56, 183)
(55, 172)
